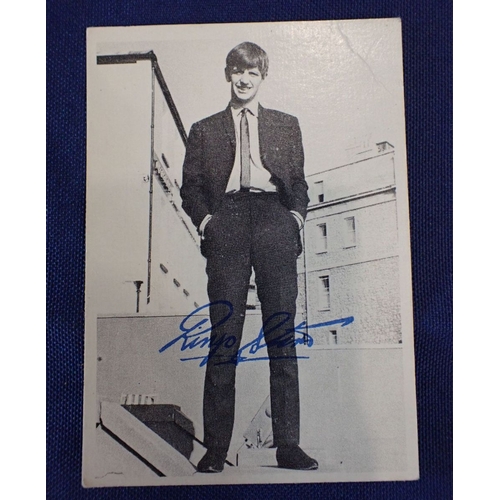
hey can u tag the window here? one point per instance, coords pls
(320, 191)
(349, 232)
(321, 238)
(334, 339)
(252, 297)
(324, 293)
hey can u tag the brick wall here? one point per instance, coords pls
(368, 291)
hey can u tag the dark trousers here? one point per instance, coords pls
(251, 230)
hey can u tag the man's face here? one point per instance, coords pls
(245, 83)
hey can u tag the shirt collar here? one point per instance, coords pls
(253, 107)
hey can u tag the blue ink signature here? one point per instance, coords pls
(195, 334)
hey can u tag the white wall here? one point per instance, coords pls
(118, 160)
(352, 400)
(118, 201)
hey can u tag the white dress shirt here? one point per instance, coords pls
(260, 178)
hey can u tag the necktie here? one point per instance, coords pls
(244, 151)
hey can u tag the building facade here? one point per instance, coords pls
(143, 249)
(350, 263)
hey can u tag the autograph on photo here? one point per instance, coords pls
(196, 335)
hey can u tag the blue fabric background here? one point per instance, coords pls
(427, 44)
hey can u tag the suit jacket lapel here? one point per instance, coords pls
(229, 138)
(229, 127)
(264, 130)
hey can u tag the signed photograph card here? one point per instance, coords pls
(248, 271)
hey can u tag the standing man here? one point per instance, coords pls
(244, 189)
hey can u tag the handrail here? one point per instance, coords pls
(132, 58)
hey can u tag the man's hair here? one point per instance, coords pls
(247, 55)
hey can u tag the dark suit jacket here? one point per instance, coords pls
(210, 156)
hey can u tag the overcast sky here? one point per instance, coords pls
(343, 80)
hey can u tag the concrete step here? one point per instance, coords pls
(148, 446)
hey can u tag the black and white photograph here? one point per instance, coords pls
(248, 296)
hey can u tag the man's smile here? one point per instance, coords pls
(245, 83)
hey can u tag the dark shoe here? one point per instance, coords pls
(213, 461)
(292, 457)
